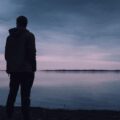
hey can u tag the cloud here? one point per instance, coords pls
(8, 9)
(68, 32)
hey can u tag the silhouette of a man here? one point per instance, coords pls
(20, 56)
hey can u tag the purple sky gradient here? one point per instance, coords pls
(70, 34)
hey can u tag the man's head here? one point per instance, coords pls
(21, 21)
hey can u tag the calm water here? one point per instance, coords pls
(71, 90)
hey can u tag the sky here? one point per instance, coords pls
(70, 34)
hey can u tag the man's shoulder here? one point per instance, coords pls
(30, 34)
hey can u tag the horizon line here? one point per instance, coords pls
(75, 70)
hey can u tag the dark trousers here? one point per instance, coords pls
(25, 81)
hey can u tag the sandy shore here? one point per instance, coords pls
(60, 114)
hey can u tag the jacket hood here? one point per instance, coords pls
(17, 31)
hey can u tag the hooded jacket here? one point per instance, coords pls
(20, 51)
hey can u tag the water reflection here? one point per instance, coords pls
(71, 90)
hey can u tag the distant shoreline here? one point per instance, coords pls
(78, 70)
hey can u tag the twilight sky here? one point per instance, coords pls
(70, 34)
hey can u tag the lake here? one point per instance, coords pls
(71, 90)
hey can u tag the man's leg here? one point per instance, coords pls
(14, 86)
(26, 85)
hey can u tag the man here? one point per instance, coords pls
(20, 56)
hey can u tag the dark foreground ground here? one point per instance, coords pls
(58, 114)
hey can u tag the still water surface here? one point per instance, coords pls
(81, 90)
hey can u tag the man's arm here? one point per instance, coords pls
(32, 51)
(6, 47)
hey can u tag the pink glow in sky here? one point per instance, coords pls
(70, 34)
